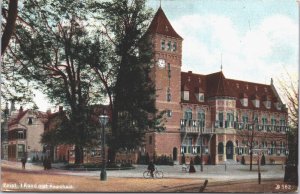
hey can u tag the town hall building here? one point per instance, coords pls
(210, 115)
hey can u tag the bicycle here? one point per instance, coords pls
(156, 174)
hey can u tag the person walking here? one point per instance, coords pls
(23, 160)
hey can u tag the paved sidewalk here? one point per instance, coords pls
(212, 172)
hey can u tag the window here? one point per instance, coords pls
(229, 120)
(201, 97)
(221, 119)
(273, 121)
(278, 105)
(220, 148)
(282, 122)
(30, 120)
(186, 95)
(201, 118)
(245, 102)
(187, 146)
(256, 103)
(245, 118)
(21, 135)
(255, 119)
(188, 117)
(268, 104)
(169, 45)
(150, 140)
(169, 113)
(21, 150)
(174, 46)
(169, 71)
(163, 45)
(264, 120)
(168, 95)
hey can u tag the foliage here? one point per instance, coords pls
(164, 160)
(290, 89)
(55, 52)
(134, 94)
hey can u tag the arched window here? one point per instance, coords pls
(201, 118)
(220, 148)
(188, 116)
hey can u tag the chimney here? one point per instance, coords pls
(12, 106)
(21, 109)
(48, 111)
(60, 108)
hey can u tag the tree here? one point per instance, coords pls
(251, 134)
(134, 109)
(10, 14)
(55, 51)
(290, 89)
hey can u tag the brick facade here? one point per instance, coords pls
(210, 115)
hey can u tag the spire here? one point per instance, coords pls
(221, 62)
(161, 25)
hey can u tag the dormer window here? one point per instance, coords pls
(256, 103)
(163, 44)
(278, 105)
(267, 104)
(244, 102)
(200, 96)
(186, 95)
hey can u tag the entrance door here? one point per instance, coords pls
(229, 150)
(174, 153)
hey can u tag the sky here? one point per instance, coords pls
(254, 40)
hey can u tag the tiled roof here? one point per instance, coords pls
(20, 114)
(216, 85)
(161, 25)
(16, 119)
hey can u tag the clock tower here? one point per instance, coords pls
(166, 75)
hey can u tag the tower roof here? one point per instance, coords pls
(161, 25)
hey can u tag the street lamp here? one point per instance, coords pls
(103, 120)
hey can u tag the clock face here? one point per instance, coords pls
(161, 63)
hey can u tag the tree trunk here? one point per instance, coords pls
(10, 24)
(78, 154)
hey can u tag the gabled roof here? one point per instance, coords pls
(216, 85)
(161, 25)
(20, 114)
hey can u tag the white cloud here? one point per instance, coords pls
(258, 54)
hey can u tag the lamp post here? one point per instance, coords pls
(103, 120)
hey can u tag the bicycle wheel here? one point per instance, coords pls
(159, 174)
(146, 174)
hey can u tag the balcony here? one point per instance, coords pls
(258, 127)
(194, 126)
(224, 124)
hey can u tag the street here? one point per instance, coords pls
(34, 178)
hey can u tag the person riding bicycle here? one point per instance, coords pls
(151, 168)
